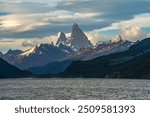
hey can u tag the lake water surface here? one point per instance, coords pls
(60, 89)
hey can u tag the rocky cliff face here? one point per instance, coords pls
(62, 39)
(79, 39)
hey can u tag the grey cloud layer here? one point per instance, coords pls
(25, 7)
(62, 13)
(113, 10)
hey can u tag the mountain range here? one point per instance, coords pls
(132, 63)
(76, 56)
(46, 53)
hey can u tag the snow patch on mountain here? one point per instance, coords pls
(62, 39)
(28, 52)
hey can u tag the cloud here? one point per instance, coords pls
(7, 44)
(37, 41)
(141, 20)
(27, 22)
(133, 33)
(113, 10)
(130, 29)
(25, 44)
(96, 37)
(20, 23)
(6, 40)
(19, 7)
(28, 19)
(29, 43)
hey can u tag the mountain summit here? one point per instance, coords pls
(79, 39)
(62, 39)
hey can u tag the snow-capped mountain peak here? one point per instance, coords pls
(13, 52)
(39, 49)
(77, 41)
(62, 39)
(114, 40)
(38, 56)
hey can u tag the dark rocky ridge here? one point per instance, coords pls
(132, 63)
(10, 71)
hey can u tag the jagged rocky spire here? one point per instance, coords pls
(79, 39)
(61, 39)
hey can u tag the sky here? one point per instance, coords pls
(26, 23)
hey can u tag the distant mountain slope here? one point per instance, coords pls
(103, 49)
(10, 71)
(139, 67)
(50, 68)
(1, 54)
(37, 56)
(82, 54)
(124, 64)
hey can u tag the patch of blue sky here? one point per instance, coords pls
(146, 30)
(111, 32)
(4, 13)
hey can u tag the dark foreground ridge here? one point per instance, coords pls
(9, 71)
(133, 63)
